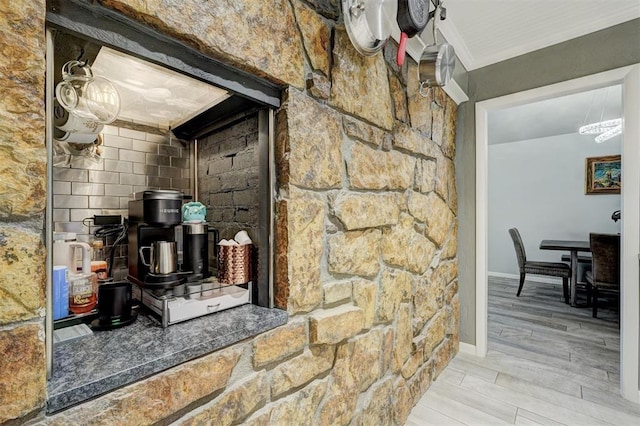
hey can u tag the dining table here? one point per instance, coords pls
(574, 247)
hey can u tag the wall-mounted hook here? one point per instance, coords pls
(79, 58)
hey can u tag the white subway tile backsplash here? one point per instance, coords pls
(130, 161)
(157, 138)
(77, 215)
(133, 156)
(110, 130)
(158, 160)
(119, 190)
(110, 153)
(63, 188)
(86, 163)
(70, 175)
(159, 182)
(70, 201)
(61, 215)
(170, 172)
(117, 141)
(179, 183)
(132, 134)
(118, 166)
(126, 179)
(169, 151)
(141, 169)
(104, 202)
(82, 188)
(104, 177)
(142, 146)
(182, 163)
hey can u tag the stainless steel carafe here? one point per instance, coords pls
(163, 257)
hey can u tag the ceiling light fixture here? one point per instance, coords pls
(614, 131)
(604, 129)
(600, 127)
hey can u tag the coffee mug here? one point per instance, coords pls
(71, 123)
(114, 302)
(82, 94)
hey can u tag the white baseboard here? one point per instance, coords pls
(467, 348)
(530, 277)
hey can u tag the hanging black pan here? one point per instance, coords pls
(412, 17)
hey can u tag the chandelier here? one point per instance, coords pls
(604, 129)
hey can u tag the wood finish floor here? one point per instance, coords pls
(547, 364)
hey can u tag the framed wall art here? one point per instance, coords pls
(603, 175)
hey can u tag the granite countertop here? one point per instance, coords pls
(94, 365)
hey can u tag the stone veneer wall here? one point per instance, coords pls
(366, 228)
(228, 178)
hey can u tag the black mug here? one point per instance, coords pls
(114, 302)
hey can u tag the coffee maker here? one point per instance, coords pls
(171, 292)
(153, 217)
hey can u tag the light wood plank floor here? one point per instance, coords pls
(547, 364)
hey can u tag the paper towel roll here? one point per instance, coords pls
(79, 137)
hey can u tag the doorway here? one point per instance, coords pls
(629, 77)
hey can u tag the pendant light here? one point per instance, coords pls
(606, 129)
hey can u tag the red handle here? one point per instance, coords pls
(402, 47)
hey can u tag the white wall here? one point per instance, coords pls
(537, 186)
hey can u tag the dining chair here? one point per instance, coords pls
(605, 271)
(554, 269)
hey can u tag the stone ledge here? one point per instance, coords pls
(92, 366)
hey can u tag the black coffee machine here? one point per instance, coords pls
(153, 217)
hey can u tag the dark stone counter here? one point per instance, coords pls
(94, 365)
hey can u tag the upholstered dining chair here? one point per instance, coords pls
(554, 269)
(605, 271)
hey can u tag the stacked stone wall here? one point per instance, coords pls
(22, 201)
(366, 219)
(228, 178)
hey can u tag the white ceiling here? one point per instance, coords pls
(154, 95)
(484, 32)
(552, 117)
